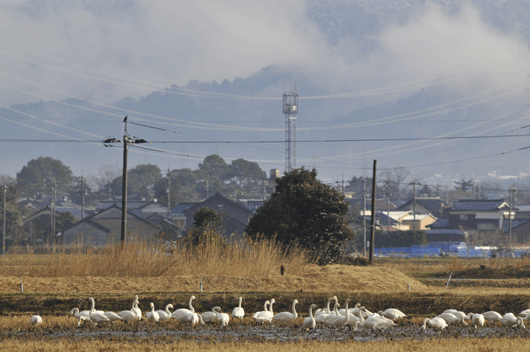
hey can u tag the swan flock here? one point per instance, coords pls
(354, 318)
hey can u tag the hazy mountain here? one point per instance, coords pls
(440, 107)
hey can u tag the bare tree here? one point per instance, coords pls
(393, 179)
(107, 174)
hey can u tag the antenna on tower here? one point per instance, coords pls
(290, 109)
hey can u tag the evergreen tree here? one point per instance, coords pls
(306, 212)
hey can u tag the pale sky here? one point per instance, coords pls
(102, 51)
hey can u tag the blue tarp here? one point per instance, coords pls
(434, 249)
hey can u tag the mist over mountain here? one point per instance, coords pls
(381, 76)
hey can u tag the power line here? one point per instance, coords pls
(15, 140)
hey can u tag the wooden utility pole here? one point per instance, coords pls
(126, 141)
(4, 224)
(372, 222)
(124, 187)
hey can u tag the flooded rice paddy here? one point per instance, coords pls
(252, 333)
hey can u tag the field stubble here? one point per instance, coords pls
(53, 284)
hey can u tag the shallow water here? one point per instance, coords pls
(267, 333)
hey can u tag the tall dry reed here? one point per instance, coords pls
(248, 259)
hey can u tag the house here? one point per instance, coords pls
(104, 228)
(177, 213)
(381, 205)
(425, 205)
(446, 235)
(235, 217)
(418, 221)
(482, 215)
(38, 228)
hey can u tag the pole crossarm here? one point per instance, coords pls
(127, 140)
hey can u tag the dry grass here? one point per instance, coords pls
(147, 345)
(141, 260)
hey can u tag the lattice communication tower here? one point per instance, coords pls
(290, 109)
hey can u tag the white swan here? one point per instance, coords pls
(152, 316)
(340, 321)
(82, 316)
(524, 313)
(36, 320)
(266, 315)
(459, 314)
(130, 315)
(450, 318)
(324, 313)
(238, 312)
(135, 308)
(436, 322)
(510, 320)
(392, 313)
(211, 317)
(112, 316)
(310, 322)
(223, 319)
(165, 314)
(492, 316)
(286, 317)
(324, 310)
(184, 311)
(96, 316)
(478, 319)
(375, 322)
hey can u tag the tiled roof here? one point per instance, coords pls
(515, 223)
(130, 205)
(180, 207)
(441, 223)
(433, 204)
(477, 205)
(444, 232)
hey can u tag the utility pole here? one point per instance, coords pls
(414, 183)
(372, 229)
(168, 193)
(83, 191)
(364, 216)
(53, 207)
(512, 190)
(127, 139)
(4, 224)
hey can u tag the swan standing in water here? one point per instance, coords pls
(459, 314)
(96, 316)
(165, 314)
(340, 321)
(223, 319)
(492, 316)
(477, 319)
(211, 317)
(152, 316)
(238, 312)
(510, 320)
(135, 308)
(130, 315)
(436, 322)
(82, 316)
(184, 311)
(392, 314)
(286, 317)
(324, 310)
(266, 315)
(112, 316)
(310, 322)
(36, 320)
(451, 318)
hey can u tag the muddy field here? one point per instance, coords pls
(170, 332)
(16, 313)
